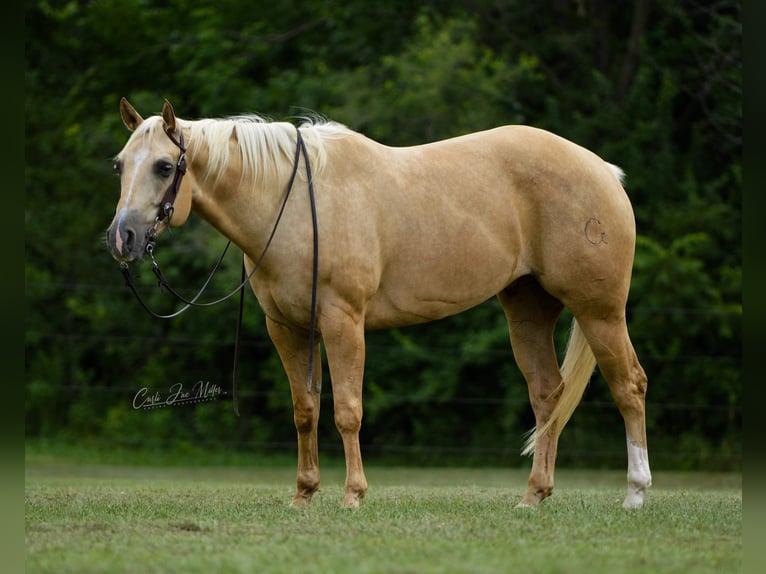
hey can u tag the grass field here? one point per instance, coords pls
(146, 519)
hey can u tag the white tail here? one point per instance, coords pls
(576, 371)
(617, 171)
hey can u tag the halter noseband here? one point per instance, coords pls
(166, 205)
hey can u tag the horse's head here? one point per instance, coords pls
(151, 168)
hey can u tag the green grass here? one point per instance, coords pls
(96, 518)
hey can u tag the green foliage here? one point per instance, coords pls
(669, 113)
(674, 292)
(431, 89)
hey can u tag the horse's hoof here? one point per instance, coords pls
(300, 501)
(533, 498)
(633, 501)
(351, 501)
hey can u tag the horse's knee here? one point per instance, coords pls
(348, 417)
(305, 418)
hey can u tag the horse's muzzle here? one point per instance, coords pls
(126, 238)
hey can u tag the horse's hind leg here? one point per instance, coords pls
(617, 360)
(532, 313)
(292, 346)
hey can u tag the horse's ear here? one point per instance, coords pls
(130, 117)
(169, 117)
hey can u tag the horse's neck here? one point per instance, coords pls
(241, 210)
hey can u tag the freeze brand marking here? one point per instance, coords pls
(593, 232)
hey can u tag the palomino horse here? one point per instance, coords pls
(406, 235)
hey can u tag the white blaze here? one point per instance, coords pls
(139, 159)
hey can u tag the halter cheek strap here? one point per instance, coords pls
(166, 205)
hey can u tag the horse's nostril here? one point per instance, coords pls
(130, 239)
(124, 240)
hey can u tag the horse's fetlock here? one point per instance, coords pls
(308, 482)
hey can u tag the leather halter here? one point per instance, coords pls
(166, 205)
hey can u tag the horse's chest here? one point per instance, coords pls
(284, 305)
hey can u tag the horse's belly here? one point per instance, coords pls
(383, 313)
(422, 291)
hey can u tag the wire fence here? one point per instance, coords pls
(610, 453)
(426, 450)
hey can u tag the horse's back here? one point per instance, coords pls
(515, 170)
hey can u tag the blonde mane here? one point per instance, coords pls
(267, 149)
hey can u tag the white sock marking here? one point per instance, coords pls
(639, 475)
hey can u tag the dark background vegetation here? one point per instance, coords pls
(654, 86)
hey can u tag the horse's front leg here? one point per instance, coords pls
(292, 346)
(343, 336)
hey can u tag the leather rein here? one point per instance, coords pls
(166, 211)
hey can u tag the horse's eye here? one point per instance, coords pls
(117, 167)
(164, 168)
